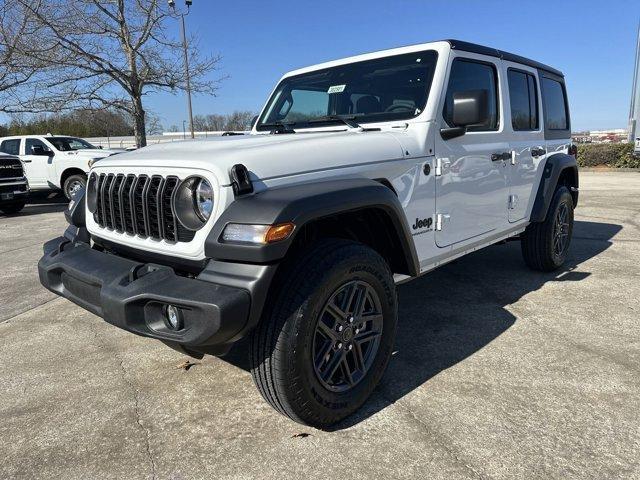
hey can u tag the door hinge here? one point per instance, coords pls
(441, 220)
(441, 163)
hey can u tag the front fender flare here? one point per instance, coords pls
(301, 204)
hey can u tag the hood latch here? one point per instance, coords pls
(240, 180)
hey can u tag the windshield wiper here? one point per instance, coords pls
(279, 127)
(348, 120)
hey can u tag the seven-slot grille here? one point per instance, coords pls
(139, 205)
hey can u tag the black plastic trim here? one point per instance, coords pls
(75, 211)
(494, 52)
(553, 168)
(301, 204)
(131, 295)
(190, 266)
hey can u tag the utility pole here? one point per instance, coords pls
(185, 48)
(634, 113)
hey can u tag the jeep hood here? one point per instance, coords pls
(266, 156)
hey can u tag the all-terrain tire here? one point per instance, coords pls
(540, 247)
(284, 344)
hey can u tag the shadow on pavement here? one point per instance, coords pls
(43, 202)
(458, 309)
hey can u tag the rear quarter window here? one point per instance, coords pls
(556, 115)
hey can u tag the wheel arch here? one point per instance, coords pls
(363, 210)
(66, 173)
(559, 169)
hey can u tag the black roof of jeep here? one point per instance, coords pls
(494, 52)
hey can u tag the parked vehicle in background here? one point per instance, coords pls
(54, 161)
(14, 187)
(358, 174)
(636, 150)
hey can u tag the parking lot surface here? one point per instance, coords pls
(499, 372)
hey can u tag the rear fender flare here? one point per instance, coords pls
(556, 165)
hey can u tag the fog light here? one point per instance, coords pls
(173, 317)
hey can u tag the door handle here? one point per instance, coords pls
(495, 157)
(537, 152)
(27, 161)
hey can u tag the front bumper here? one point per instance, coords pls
(132, 295)
(12, 192)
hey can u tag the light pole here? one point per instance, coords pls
(172, 5)
(184, 133)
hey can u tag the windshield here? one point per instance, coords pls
(384, 89)
(68, 144)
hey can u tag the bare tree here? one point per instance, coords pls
(215, 122)
(153, 125)
(114, 53)
(18, 37)
(239, 120)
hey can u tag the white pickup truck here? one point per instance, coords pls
(54, 162)
(359, 174)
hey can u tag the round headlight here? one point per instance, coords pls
(193, 202)
(204, 199)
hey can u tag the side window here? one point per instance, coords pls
(523, 94)
(471, 75)
(34, 142)
(555, 105)
(12, 147)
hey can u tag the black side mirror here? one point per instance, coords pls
(470, 107)
(39, 150)
(254, 120)
(100, 147)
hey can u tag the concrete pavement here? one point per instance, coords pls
(499, 372)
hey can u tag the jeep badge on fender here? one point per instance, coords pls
(296, 233)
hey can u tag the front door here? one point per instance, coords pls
(471, 185)
(37, 165)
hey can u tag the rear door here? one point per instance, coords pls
(527, 137)
(471, 184)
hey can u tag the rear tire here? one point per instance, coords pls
(309, 362)
(13, 208)
(73, 184)
(545, 244)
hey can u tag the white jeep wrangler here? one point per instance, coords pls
(54, 162)
(358, 174)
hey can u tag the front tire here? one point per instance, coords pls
(545, 245)
(74, 184)
(324, 344)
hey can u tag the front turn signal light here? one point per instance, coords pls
(277, 233)
(256, 234)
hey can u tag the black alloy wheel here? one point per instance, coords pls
(347, 336)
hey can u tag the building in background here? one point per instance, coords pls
(634, 113)
(615, 135)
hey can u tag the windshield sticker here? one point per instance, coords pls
(336, 89)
